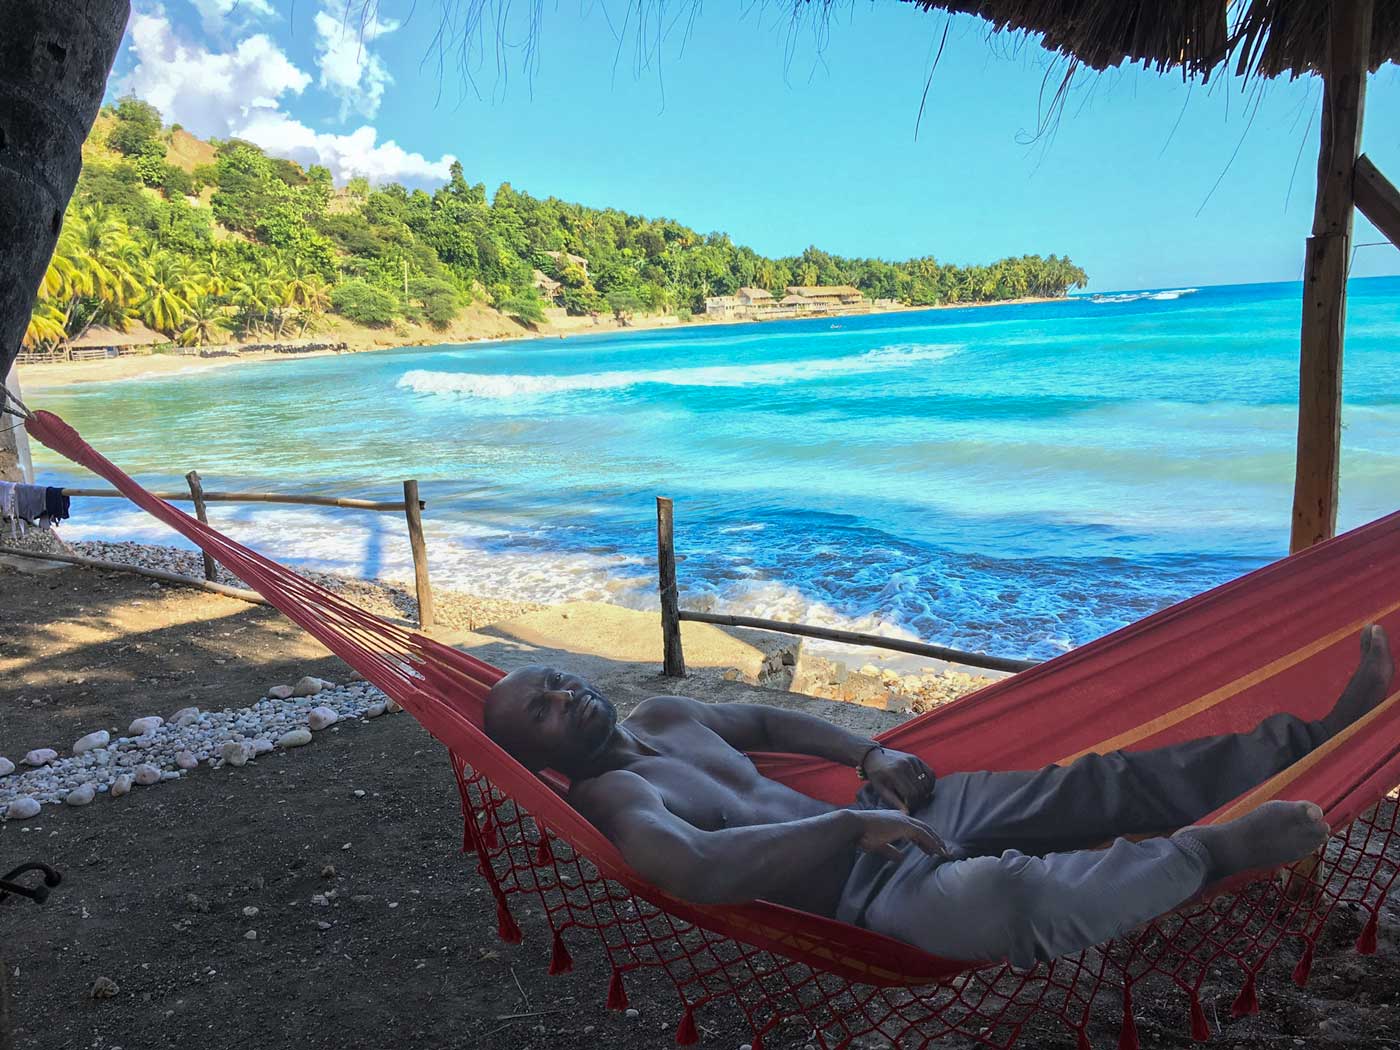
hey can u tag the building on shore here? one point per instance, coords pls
(759, 304)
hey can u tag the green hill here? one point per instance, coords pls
(205, 241)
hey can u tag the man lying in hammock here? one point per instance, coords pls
(995, 865)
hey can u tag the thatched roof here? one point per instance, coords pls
(136, 335)
(1265, 37)
(823, 290)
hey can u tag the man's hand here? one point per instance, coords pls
(904, 781)
(881, 828)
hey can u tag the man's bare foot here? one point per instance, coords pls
(1275, 834)
(1370, 683)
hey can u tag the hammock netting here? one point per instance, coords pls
(1283, 638)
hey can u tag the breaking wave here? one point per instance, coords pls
(1133, 297)
(482, 385)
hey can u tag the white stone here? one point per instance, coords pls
(80, 796)
(297, 737)
(100, 738)
(374, 710)
(6, 767)
(632, 1012)
(280, 692)
(40, 756)
(321, 717)
(147, 774)
(260, 746)
(250, 912)
(22, 808)
(142, 726)
(183, 713)
(121, 785)
(307, 686)
(359, 793)
(234, 753)
(320, 901)
(251, 935)
(186, 760)
(392, 707)
(910, 683)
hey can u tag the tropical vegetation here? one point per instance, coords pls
(244, 245)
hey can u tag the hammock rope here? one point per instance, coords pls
(1281, 638)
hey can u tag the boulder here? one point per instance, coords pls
(100, 738)
(320, 717)
(298, 737)
(142, 726)
(40, 756)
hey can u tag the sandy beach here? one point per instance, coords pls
(477, 324)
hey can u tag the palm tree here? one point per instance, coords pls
(45, 325)
(203, 321)
(168, 291)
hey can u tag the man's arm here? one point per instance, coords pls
(732, 865)
(904, 781)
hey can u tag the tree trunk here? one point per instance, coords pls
(55, 56)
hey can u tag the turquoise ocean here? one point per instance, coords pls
(1017, 479)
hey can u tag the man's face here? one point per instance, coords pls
(547, 717)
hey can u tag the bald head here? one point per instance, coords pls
(546, 717)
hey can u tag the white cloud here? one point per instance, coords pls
(349, 69)
(240, 93)
(218, 15)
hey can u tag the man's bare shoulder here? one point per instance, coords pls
(611, 792)
(667, 710)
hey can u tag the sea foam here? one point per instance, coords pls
(485, 385)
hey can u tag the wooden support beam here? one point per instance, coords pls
(211, 568)
(1315, 482)
(1377, 198)
(673, 662)
(874, 641)
(243, 595)
(420, 555)
(253, 497)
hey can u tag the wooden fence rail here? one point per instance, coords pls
(410, 506)
(672, 616)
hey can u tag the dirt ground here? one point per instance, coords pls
(406, 952)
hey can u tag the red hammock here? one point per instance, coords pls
(1283, 638)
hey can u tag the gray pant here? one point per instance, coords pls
(1023, 881)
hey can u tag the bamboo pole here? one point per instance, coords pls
(240, 593)
(833, 634)
(1315, 483)
(252, 497)
(211, 568)
(673, 662)
(1377, 198)
(412, 510)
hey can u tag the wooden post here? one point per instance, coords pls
(1378, 199)
(1325, 273)
(211, 568)
(673, 664)
(420, 555)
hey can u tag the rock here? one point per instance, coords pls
(319, 900)
(354, 676)
(280, 692)
(22, 808)
(100, 738)
(731, 674)
(909, 683)
(104, 988)
(179, 716)
(6, 767)
(871, 670)
(195, 903)
(328, 872)
(234, 753)
(250, 912)
(323, 925)
(391, 707)
(298, 737)
(320, 717)
(307, 686)
(186, 760)
(80, 796)
(251, 935)
(358, 792)
(147, 774)
(260, 746)
(121, 785)
(632, 1013)
(142, 726)
(40, 756)
(374, 710)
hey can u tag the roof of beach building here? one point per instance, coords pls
(136, 335)
(1254, 37)
(577, 260)
(823, 290)
(755, 293)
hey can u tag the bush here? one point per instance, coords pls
(524, 306)
(439, 298)
(359, 301)
(177, 182)
(137, 130)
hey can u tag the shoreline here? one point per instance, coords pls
(478, 325)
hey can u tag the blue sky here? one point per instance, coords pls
(780, 135)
